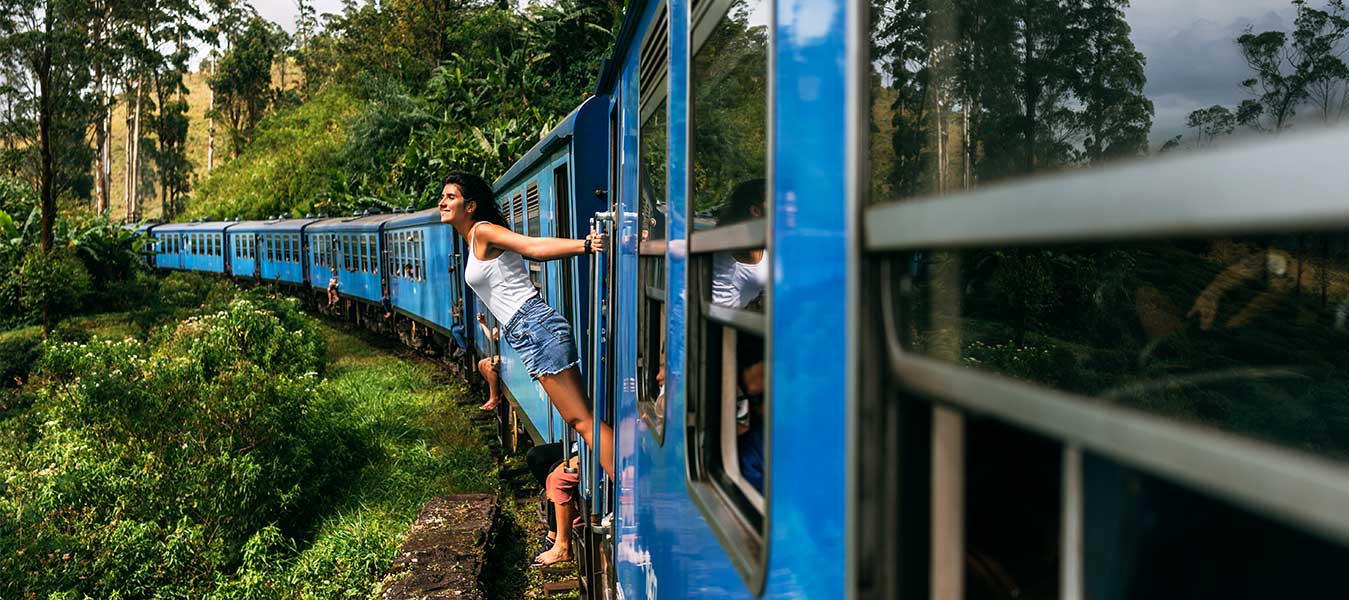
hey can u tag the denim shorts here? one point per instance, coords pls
(542, 338)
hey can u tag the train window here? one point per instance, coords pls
(652, 191)
(728, 396)
(563, 228)
(1148, 308)
(421, 256)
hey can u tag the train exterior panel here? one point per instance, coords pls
(352, 246)
(195, 246)
(243, 242)
(425, 281)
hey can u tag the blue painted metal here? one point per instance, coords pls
(665, 548)
(357, 278)
(429, 296)
(809, 225)
(200, 246)
(274, 259)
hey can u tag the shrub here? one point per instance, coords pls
(156, 468)
(19, 351)
(59, 279)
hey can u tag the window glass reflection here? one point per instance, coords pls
(968, 92)
(1246, 334)
(729, 79)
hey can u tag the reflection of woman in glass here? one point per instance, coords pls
(739, 277)
(497, 273)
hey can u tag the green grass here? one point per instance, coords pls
(422, 445)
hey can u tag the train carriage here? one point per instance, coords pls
(424, 277)
(353, 248)
(270, 250)
(192, 246)
(707, 503)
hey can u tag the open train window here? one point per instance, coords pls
(653, 175)
(729, 296)
(563, 228)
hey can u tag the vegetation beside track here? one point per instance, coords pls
(231, 448)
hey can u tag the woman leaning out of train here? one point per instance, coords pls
(497, 273)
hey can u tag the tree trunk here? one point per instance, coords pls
(48, 192)
(133, 200)
(101, 127)
(126, 156)
(105, 147)
(210, 121)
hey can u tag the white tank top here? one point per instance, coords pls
(736, 284)
(503, 282)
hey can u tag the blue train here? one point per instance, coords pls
(843, 358)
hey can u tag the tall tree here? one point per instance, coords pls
(1210, 123)
(48, 40)
(1116, 115)
(242, 82)
(1286, 72)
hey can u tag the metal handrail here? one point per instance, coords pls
(600, 223)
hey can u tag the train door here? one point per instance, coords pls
(596, 557)
(258, 241)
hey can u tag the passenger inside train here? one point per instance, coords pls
(739, 278)
(497, 273)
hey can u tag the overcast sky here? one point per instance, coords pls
(282, 12)
(1192, 54)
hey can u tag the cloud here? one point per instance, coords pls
(1193, 60)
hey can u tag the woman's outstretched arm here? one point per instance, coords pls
(537, 248)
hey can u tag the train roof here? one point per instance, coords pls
(422, 217)
(141, 228)
(354, 223)
(271, 225)
(209, 226)
(558, 136)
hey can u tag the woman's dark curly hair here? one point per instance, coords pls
(475, 189)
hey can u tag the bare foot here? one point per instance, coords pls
(491, 404)
(558, 553)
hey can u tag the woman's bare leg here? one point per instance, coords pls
(489, 372)
(567, 392)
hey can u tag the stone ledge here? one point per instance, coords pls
(444, 554)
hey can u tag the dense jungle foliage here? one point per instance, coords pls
(94, 264)
(228, 454)
(398, 94)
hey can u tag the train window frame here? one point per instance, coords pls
(653, 97)
(1084, 207)
(421, 255)
(533, 227)
(563, 228)
(741, 522)
(517, 207)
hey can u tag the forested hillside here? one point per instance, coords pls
(396, 95)
(115, 111)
